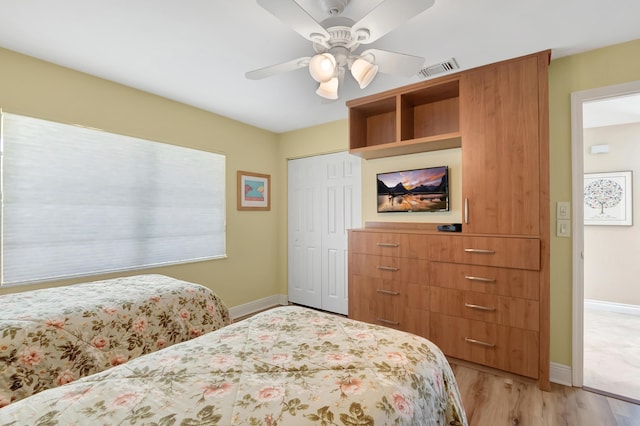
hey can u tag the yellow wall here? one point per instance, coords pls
(254, 271)
(40, 89)
(597, 68)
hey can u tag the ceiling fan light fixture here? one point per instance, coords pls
(329, 89)
(363, 72)
(322, 67)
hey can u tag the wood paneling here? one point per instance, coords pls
(436, 118)
(509, 311)
(388, 244)
(521, 253)
(486, 279)
(409, 270)
(500, 151)
(507, 348)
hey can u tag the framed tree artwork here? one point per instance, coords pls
(608, 198)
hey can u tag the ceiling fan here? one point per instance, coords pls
(336, 38)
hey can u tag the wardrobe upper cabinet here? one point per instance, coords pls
(503, 111)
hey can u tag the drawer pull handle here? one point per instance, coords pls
(484, 280)
(466, 211)
(387, 321)
(392, 293)
(479, 251)
(479, 307)
(388, 245)
(388, 268)
(479, 342)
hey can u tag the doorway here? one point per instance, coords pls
(606, 300)
(323, 202)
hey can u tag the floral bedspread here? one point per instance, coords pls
(54, 336)
(286, 366)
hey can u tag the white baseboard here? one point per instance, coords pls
(612, 307)
(560, 374)
(258, 305)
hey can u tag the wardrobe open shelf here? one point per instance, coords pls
(419, 118)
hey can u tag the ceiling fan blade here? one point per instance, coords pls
(387, 16)
(394, 63)
(277, 69)
(292, 14)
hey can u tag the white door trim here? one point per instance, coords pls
(577, 167)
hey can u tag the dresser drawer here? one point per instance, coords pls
(390, 303)
(388, 244)
(509, 311)
(403, 317)
(486, 279)
(520, 253)
(389, 268)
(507, 348)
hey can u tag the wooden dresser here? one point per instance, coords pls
(485, 300)
(476, 297)
(388, 280)
(481, 294)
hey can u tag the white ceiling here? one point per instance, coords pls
(611, 111)
(197, 51)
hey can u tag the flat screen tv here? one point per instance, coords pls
(417, 190)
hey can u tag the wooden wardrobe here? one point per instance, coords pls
(482, 294)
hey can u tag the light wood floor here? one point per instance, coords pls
(493, 399)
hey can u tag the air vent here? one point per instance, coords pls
(435, 69)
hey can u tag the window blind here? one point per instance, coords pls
(78, 201)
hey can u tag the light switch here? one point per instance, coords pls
(564, 228)
(563, 210)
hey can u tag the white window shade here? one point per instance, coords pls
(78, 201)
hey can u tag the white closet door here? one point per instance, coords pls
(324, 201)
(305, 239)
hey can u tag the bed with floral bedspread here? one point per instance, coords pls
(285, 366)
(53, 336)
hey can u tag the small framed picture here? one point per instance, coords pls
(608, 198)
(254, 191)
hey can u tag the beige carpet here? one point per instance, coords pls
(612, 353)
